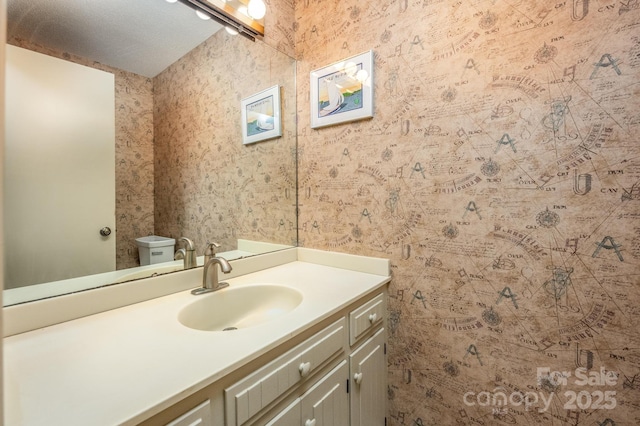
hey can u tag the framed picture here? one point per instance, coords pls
(343, 91)
(261, 116)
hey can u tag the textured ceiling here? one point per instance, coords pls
(141, 36)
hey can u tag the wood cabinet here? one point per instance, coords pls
(335, 375)
(354, 392)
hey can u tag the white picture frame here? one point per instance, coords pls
(261, 117)
(342, 92)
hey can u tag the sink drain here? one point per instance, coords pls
(229, 328)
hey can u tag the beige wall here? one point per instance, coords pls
(501, 176)
(3, 32)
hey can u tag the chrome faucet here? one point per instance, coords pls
(188, 253)
(210, 276)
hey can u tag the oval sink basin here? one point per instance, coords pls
(239, 307)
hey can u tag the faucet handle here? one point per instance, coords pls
(210, 251)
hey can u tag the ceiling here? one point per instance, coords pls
(140, 36)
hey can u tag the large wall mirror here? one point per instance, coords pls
(178, 164)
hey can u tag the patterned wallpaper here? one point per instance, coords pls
(134, 165)
(134, 153)
(501, 176)
(208, 185)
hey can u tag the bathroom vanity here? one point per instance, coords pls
(298, 338)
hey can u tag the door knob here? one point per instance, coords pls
(105, 232)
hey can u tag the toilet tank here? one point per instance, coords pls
(155, 249)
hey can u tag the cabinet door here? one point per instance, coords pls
(368, 367)
(290, 416)
(327, 402)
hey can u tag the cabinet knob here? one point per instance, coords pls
(304, 369)
(311, 422)
(357, 378)
(373, 317)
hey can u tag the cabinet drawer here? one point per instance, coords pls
(199, 416)
(366, 317)
(244, 399)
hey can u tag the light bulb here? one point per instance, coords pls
(362, 76)
(231, 31)
(351, 69)
(171, 1)
(243, 9)
(257, 9)
(202, 15)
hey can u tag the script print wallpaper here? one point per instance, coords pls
(208, 185)
(501, 175)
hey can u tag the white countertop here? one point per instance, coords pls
(126, 364)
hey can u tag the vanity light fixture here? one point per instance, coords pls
(227, 13)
